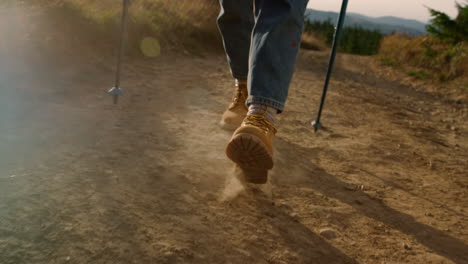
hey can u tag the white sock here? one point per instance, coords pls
(268, 111)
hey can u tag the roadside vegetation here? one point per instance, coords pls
(442, 55)
(354, 40)
(186, 25)
(183, 25)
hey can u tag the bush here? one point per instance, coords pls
(444, 53)
(445, 61)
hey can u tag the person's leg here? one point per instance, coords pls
(275, 45)
(235, 22)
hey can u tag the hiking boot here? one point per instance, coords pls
(237, 110)
(251, 148)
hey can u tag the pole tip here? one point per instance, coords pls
(115, 92)
(316, 125)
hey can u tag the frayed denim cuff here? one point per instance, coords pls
(265, 101)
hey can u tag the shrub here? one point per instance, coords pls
(444, 53)
(445, 61)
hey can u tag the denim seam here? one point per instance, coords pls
(267, 101)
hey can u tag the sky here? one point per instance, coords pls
(412, 9)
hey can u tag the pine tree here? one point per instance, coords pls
(355, 39)
(447, 29)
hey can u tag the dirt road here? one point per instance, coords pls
(146, 181)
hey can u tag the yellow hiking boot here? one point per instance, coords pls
(237, 110)
(251, 148)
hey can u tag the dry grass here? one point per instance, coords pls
(189, 25)
(311, 42)
(441, 60)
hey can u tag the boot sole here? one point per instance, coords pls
(252, 156)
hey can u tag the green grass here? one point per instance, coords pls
(386, 61)
(418, 74)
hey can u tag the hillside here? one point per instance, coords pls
(386, 25)
(391, 20)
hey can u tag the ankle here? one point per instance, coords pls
(267, 111)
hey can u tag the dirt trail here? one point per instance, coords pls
(146, 181)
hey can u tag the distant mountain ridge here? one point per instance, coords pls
(386, 24)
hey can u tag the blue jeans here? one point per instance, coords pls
(262, 39)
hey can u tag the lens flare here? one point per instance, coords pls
(150, 47)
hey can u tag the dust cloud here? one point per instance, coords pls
(236, 185)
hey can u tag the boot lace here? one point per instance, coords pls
(261, 122)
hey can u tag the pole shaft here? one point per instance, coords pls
(336, 38)
(123, 33)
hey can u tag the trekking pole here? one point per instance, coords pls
(316, 124)
(116, 91)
